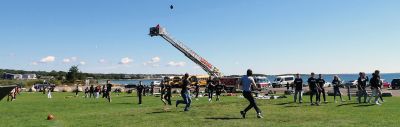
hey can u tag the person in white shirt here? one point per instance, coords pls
(247, 81)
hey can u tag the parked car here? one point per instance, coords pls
(156, 83)
(385, 84)
(395, 84)
(351, 83)
(327, 84)
(281, 81)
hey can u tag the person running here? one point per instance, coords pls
(168, 92)
(197, 88)
(76, 90)
(162, 85)
(219, 88)
(361, 85)
(375, 83)
(321, 91)
(91, 91)
(51, 88)
(108, 90)
(210, 88)
(98, 90)
(380, 90)
(185, 93)
(12, 94)
(103, 91)
(312, 84)
(140, 89)
(299, 89)
(86, 92)
(336, 88)
(247, 81)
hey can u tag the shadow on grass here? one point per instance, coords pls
(222, 118)
(291, 106)
(368, 105)
(285, 103)
(347, 104)
(159, 112)
(126, 103)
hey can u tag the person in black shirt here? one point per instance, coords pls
(196, 88)
(218, 89)
(162, 85)
(312, 84)
(168, 93)
(336, 85)
(361, 85)
(375, 86)
(86, 92)
(103, 91)
(91, 91)
(210, 88)
(185, 93)
(321, 91)
(108, 90)
(76, 90)
(139, 90)
(299, 88)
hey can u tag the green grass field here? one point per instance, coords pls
(31, 109)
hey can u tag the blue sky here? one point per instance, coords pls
(269, 36)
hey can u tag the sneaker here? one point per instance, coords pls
(377, 103)
(243, 114)
(325, 102)
(312, 104)
(209, 100)
(259, 116)
(317, 104)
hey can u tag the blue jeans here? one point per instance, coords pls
(186, 100)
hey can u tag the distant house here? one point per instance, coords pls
(12, 76)
(29, 76)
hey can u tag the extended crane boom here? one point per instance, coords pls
(204, 64)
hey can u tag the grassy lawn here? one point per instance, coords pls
(31, 109)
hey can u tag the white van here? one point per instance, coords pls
(281, 81)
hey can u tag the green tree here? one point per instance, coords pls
(73, 74)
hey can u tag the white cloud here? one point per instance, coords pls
(48, 59)
(197, 67)
(82, 63)
(126, 60)
(153, 62)
(102, 61)
(66, 60)
(34, 63)
(176, 64)
(73, 59)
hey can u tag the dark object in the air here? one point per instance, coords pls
(171, 7)
(5, 90)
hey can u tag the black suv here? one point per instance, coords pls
(395, 84)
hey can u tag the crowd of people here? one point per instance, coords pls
(316, 88)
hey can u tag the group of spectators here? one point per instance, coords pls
(316, 87)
